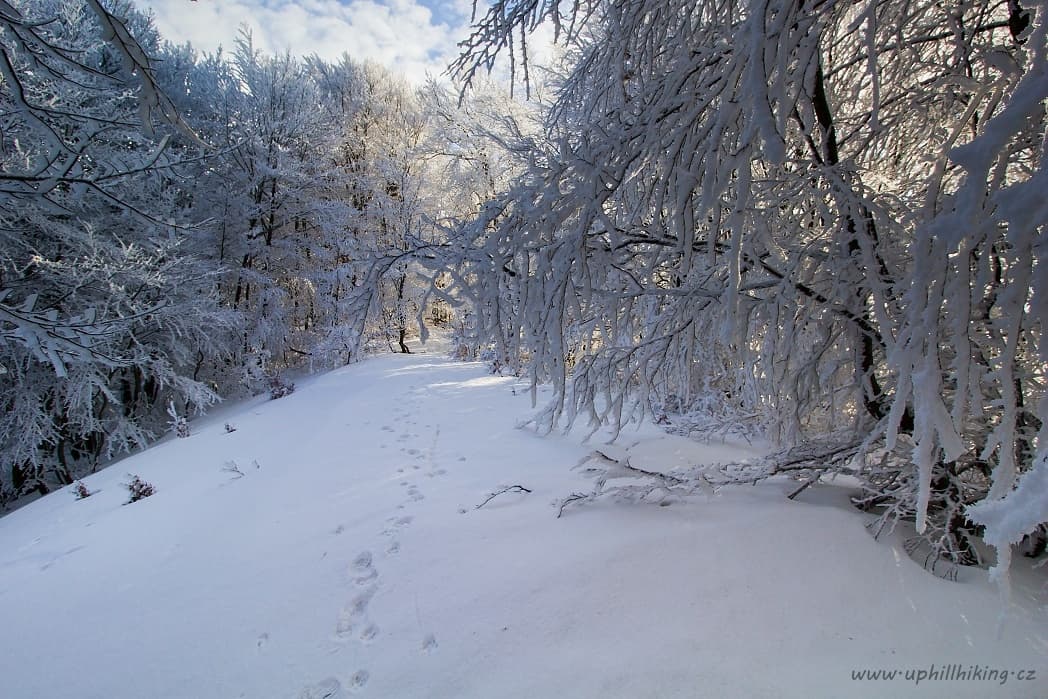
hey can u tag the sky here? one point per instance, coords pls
(412, 37)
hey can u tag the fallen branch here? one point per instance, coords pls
(574, 497)
(804, 486)
(625, 463)
(507, 489)
(604, 467)
(806, 461)
(233, 468)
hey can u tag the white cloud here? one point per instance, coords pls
(403, 35)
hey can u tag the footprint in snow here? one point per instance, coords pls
(369, 633)
(354, 615)
(329, 688)
(362, 570)
(359, 606)
(393, 548)
(358, 680)
(429, 644)
(397, 523)
(344, 625)
(362, 562)
(366, 577)
(387, 428)
(415, 494)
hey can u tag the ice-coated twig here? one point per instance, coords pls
(507, 489)
(574, 497)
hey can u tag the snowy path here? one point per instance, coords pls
(331, 546)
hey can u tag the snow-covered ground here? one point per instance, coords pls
(332, 545)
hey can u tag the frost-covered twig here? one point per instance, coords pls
(604, 468)
(153, 100)
(809, 460)
(630, 469)
(178, 424)
(814, 478)
(507, 489)
(233, 468)
(574, 497)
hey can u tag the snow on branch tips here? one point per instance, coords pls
(153, 101)
(1016, 515)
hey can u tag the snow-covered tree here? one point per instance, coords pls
(103, 316)
(476, 144)
(378, 147)
(317, 195)
(815, 218)
(275, 135)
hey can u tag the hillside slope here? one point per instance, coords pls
(332, 545)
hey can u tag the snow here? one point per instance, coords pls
(350, 557)
(1009, 518)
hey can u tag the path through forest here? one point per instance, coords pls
(333, 544)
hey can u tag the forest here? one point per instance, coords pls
(815, 222)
